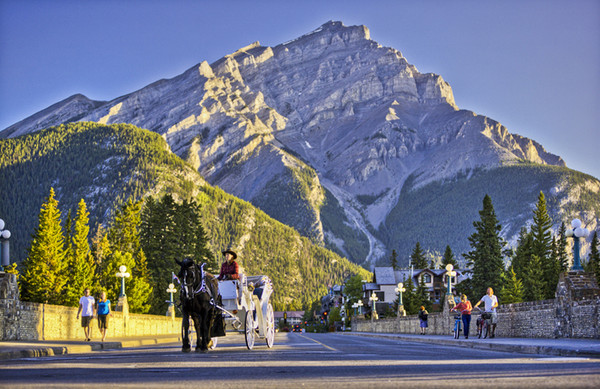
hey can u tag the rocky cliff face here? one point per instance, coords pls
(332, 109)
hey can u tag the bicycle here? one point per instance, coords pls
(483, 324)
(457, 324)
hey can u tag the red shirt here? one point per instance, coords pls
(230, 269)
(464, 308)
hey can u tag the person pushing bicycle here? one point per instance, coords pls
(490, 302)
(464, 307)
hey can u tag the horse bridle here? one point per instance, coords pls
(186, 286)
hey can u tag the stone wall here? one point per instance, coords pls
(20, 320)
(574, 313)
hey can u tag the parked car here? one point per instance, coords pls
(296, 328)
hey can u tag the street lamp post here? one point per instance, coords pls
(374, 299)
(4, 246)
(171, 309)
(359, 304)
(449, 274)
(399, 290)
(577, 232)
(122, 304)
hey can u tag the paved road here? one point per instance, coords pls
(309, 360)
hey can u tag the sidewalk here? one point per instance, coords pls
(29, 349)
(564, 347)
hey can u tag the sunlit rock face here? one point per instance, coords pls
(332, 102)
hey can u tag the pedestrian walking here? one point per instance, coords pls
(103, 313)
(86, 309)
(490, 302)
(423, 320)
(464, 307)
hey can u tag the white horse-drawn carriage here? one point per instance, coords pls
(246, 308)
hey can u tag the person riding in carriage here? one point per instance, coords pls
(229, 269)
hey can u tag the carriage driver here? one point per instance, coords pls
(229, 269)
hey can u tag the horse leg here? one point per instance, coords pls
(185, 326)
(199, 334)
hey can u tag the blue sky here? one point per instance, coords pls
(532, 65)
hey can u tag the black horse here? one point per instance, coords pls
(199, 291)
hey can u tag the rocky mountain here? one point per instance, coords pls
(322, 133)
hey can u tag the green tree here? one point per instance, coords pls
(448, 258)
(80, 262)
(533, 284)
(394, 260)
(124, 239)
(594, 257)
(44, 276)
(410, 299)
(417, 258)
(561, 248)
(423, 295)
(542, 247)
(512, 290)
(485, 258)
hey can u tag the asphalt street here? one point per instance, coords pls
(303, 360)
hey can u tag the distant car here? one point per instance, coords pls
(296, 328)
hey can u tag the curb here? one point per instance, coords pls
(515, 348)
(33, 351)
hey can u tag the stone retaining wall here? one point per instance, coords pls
(20, 320)
(575, 313)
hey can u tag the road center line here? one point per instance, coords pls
(316, 341)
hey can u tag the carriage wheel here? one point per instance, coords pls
(270, 326)
(249, 329)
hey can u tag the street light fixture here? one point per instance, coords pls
(5, 249)
(360, 305)
(374, 299)
(399, 290)
(449, 274)
(577, 232)
(122, 274)
(171, 309)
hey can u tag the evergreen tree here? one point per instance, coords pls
(101, 253)
(124, 239)
(449, 258)
(169, 232)
(417, 258)
(533, 284)
(485, 258)
(44, 273)
(80, 261)
(594, 257)
(523, 253)
(512, 290)
(561, 248)
(542, 247)
(410, 299)
(394, 260)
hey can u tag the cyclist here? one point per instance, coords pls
(491, 302)
(465, 308)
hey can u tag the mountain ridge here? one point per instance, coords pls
(332, 111)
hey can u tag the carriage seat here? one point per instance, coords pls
(231, 292)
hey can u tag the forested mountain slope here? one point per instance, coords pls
(106, 164)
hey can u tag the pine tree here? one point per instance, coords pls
(417, 258)
(523, 253)
(533, 284)
(594, 257)
(410, 300)
(101, 253)
(449, 258)
(394, 260)
(124, 239)
(80, 261)
(44, 276)
(485, 258)
(512, 291)
(561, 248)
(542, 247)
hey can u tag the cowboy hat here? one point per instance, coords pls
(230, 252)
